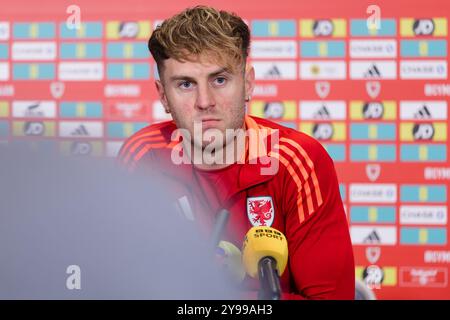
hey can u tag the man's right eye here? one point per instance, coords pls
(185, 85)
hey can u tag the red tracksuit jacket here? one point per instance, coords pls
(301, 200)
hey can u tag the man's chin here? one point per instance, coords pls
(210, 136)
(210, 145)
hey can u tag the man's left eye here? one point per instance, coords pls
(220, 80)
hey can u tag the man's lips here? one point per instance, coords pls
(209, 122)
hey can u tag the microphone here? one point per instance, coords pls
(230, 258)
(265, 255)
(219, 228)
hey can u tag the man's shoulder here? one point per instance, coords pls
(290, 139)
(162, 129)
(154, 136)
(154, 132)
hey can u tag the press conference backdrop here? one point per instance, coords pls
(374, 92)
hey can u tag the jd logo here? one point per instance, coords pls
(323, 131)
(373, 110)
(323, 28)
(423, 131)
(423, 27)
(274, 110)
(34, 129)
(81, 148)
(128, 29)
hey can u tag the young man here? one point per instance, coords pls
(215, 156)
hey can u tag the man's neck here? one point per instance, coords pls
(212, 167)
(217, 159)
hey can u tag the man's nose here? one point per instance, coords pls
(205, 98)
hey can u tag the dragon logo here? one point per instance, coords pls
(260, 211)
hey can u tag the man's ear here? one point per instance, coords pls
(249, 81)
(162, 95)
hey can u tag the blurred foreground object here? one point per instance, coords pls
(78, 228)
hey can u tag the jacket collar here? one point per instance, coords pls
(252, 169)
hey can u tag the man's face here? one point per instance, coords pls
(201, 92)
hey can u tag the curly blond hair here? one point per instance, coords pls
(223, 36)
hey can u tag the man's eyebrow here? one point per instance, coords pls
(216, 73)
(182, 77)
(190, 79)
